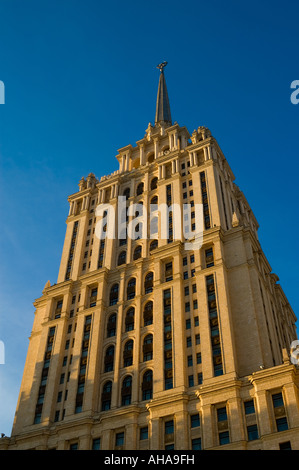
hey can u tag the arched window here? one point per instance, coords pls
(129, 321)
(139, 189)
(149, 283)
(126, 391)
(137, 252)
(154, 183)
(106, 396)
(111, 325)
(122, 258)
(153, 245)
(113, 294)
(128, 353)
(109, 359)
(154, 200)
(126, 193)
(131, 288)
(148, 348)
(147, 385)
(148, 313)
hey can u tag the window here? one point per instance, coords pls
(195, 421)
(154, 183)
(189, 360)
(113, 294)
(74, 446)
(126, 193)
(106, 396)
(221, 414)
(93, 297)
(126, 391)
(119, 439)
(223, 438)
(122, 258)
(111, 325)
(277, 400)
(128, 353)
(148, 313)
(137, 252)
(209, 257)
(154, 200)
(169, 427)
(147, 385)
(187, 306)
(196, 444)
(186, 290)
(131, 288)
(249, 407)
(109, 359)
(285, 446)
(252, 432)
(148, 283)
(129, 320)
(279, 411)
(168, 271)
(96, 444)
(148, 348)
(144, 433)
(282, 424)
(139, 189)
(153, 245)
(190, 380)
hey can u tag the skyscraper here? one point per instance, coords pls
(152, 341)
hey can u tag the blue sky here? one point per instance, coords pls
(81, 81)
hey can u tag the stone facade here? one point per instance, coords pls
(161, 347)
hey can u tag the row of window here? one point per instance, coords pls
(222, 424)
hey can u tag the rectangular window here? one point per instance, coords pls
(96, 444)
(190, 380)
(143, 433)
(196, 444)
(223, 438)
(120, 439)
(249, 407)
(209, 258)
(169, 427)
(252, 432)
(195, 421)
(221, 414)
(282, 424)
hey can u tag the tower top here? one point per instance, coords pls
(163, 114)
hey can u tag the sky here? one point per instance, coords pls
(81, 82)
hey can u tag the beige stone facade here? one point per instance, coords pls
(143, 344)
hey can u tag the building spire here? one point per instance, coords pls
(162, 107)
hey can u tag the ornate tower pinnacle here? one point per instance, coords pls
(162, 107)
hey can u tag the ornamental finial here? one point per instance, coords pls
(161, 66)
